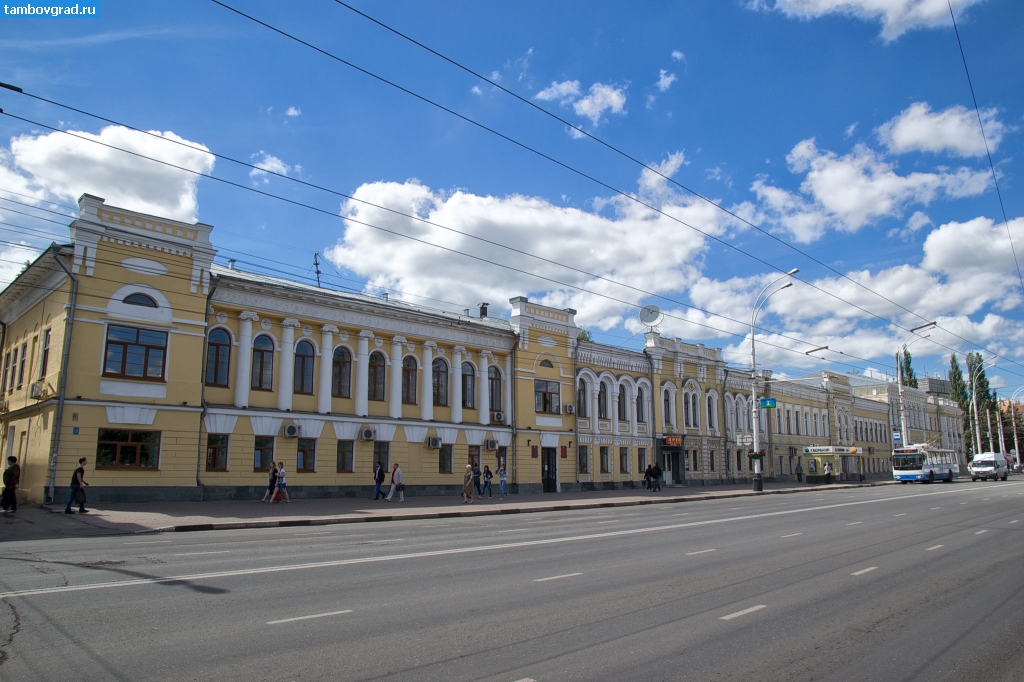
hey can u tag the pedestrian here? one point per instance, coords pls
(476, 479)
(656, 477)
(467, 485)
(396, 484)
(502, 479)
(268, 496)
(12, 479)
(78, 486)
(487, 482)
(378, 479)
(282, 484)
(799, 471)
(828, 473)
(648, 475)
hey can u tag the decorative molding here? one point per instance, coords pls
(266, 426)
(447, 435)
(311, 428)
(555, 422)
(133, 389)
(474, 436)
(220, 423)
(503, 438)
(131, 415)
(385, 431)
(346, 430)
(549, 440)
(415, 434)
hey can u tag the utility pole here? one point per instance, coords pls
(988, 418)
(316, 265)
(999, 422)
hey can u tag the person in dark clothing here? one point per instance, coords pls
(78, 486)
(656, 475)
(378, 478)
(268, 496)
(648, 477)
(799, 472)
(476, 480)
(12, 479)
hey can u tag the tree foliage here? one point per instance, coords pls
(906, 366)
(584, 335)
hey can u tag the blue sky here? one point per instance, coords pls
(844, 128)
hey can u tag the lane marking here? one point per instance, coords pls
(513, 530)
(903, 514)
(703, 551)
(854, 523)
(150, 542)
(557, 577)
(223, 551)
(743, 612)
(1014, 521)
(610, 521)
(526, 679)
(316, 615)
(985, 499)
(683, 514)
(378, 542)
(791, 535)
(980, 532)
(466, 550)
(963, 503)
(865, 570)
(302, 535)
(935, 547)
(933, 508)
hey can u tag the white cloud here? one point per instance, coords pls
(565, 92)
(954, 130)
(496, 76)
(665, 80)
(268, 162)
(653, 185)
(293, 112)
(916, 222)
(896, 16)
(476, 90)
(848, 133)
(718, 174)
(650, 101)
(13, 260)
(62, 167)
(602, 98)
(678, 56)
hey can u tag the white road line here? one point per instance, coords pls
(865, 570)
(682, 514)
(610, 521)
(985, 499)
(903, 514)
(935, 547)
(151, 542)
(379, 542)
(703, 551)
(933, 508)
(557, 577)
(471, 550)
(1014, 521)
(513, 530)
(854, 523)
(963, 503)
(743, 612)
(223, 551)
(316, 615)
(980, 532)
(526, 679)
(791, 535)
(301, 535)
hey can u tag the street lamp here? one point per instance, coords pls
(1013, 422)
(899, 374)
(758, 483)
(974, 402)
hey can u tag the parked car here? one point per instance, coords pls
(988, 465)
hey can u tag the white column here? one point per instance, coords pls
(633, 414)
(657, 415)
(594, 393)
(614, 408)
(395, 399)
(457, 384)
(483, 394)
(362, 387)
(427, 382)
(507, 404)
(323, 396)
(243, 363)
(287, 381)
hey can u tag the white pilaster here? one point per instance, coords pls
(362, 387)
(323, 396)
(633, 414)
(395, 399)
(427, 382)
(457, 384)
(593, 407)
(507, 404)
(243, 364)
(615, 413)
(287, 383)
(483, 393)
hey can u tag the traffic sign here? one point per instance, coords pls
(766, 403)
(897, 437)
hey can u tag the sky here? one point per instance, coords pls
(613, 155)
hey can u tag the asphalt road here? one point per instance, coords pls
(911, 582)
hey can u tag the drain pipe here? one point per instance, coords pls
(576, 412)
(515, 430)
(654, 410)
(68, 328)
(202, 388)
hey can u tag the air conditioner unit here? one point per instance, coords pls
(491, 444)
(497, 417)
(368, 434)
(434, 443)
(292, 430)
(570, 409)
(37, 390)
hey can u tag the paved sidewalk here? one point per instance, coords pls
(109, 519)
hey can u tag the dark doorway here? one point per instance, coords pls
(549, 469)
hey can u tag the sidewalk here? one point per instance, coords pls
(32, 523)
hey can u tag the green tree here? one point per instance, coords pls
(584, 335)
(958, 391)
(982, 394)
(909, 378)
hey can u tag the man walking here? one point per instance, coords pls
(12, 479)
(476, 479)
(799, 471)
(828, 473)
(78, 485)
(378, 479)
(396, 484)
(656, 476)
(648, 475)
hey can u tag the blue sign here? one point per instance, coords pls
(897, 437)
(74, 431)
(766, 403)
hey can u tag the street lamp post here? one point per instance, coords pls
(899, 374)
(758, 482)
(974, 403)
(1013, 423)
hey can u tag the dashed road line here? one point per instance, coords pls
(744, 612)
(854, 523)
(557, 577)
(315, 615)
(791, 535)
(903, 514)
(703, 551)
(980, 532)
(865, 570)
(150, 542)
(935, 547)
(223, 551)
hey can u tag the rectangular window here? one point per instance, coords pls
(606, 460)
(263, 454)
(474, 456)
(623, 460)
(583, 456)
(216, 452)
(44, 362)
(711, 460)
(382, 453)
(21, 365)
(739, 460)
(122, 449)
(444, 460)
(135, 353)
(346, 457)
(695, 460)
(545, 396)
(789, 422)
(641, 459)
(306, 456)
(7, 369)
(778, 420)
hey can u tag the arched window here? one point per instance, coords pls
(439, 370)
(694, 412)
(622, 406)
(494, 388)
(546, 363)
(670, 419)
(602, 401)
(581, 399)
(468, 384)
(641, 417)
(341, 373)
(409, 372)
(303, 368)
(262, 363)
(376, 377)
(686, 410)
(711, 411)
(218, 358)
(140, 299)
(739, 416)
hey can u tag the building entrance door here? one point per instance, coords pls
(549, 469)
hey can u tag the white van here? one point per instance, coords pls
(989, 465)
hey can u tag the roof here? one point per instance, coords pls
(29, 284)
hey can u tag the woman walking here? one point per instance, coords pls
(282, 483)
(502, 477)
(467, 485)
(268, 496)
(487, 482)
(396, 484)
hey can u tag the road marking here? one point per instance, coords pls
(963, 503)
(223, 551)
(980, 532)
(865, 570)
(191, 577)
(325, 532)
(151, 542)
(1014, 521)
(935, 547)
(743, 612)
(903, 514)
(854, 523)
(936, 508)
(792, 535)
(557, 577)
(610, 521)
(527, 679)
(316, 615)
(703, 551)
(985, 499)
(513, 530)
(682, 514)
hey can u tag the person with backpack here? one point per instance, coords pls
(378, 479)
(487, 482)
(12, 479)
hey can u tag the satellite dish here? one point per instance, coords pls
(651, 315)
